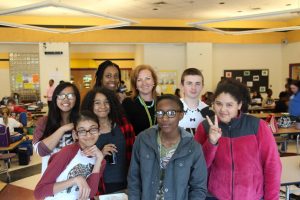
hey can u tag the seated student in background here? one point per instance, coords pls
(268, 101)
(240, 150)
(75, 171)
(256, 98)
(11, 105)
(192, 82)
(167, 163)
(54, 131)
(6, 120)
(282, 105)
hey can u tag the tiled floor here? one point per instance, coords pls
(30, 179)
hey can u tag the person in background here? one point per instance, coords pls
(282, 105)
(240, 150)
(13, 108)
(167, 163)
(256, 98)
(8, 121)
(75, 171)
(192, 82)
(177, 92)
(108, 75)
(268, 101)
(294, 103)
(116, 139)
(54, 131)
(140, 107)
(49, 92)
(208, 98)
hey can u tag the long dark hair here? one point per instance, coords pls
(237, 90)
(101, 69)
(54, 115)
(116, 112)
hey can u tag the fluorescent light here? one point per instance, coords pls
(50, 3)
(201, 24)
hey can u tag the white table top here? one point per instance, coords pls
(290, 170)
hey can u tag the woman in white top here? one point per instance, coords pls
(9, 121)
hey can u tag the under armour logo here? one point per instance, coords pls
(192, 119)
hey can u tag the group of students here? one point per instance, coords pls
(158, 147)
(289, 100)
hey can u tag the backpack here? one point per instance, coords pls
(4, 136)
(284, 121)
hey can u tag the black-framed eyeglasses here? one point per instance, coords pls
(169, 113)
(92, 131)
(69, 96)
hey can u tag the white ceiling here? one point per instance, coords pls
(173, 9)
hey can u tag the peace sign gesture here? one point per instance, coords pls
(214, 131)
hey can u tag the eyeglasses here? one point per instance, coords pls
(169, 113)
(92, 131)
(69, 96)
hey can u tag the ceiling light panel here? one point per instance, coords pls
(210, 25)
(51, 6)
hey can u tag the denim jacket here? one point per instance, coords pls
(185, 175)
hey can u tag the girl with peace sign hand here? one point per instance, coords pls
(240, 150)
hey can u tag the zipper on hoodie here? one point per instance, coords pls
(232, 166)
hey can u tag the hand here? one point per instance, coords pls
(93, 151)
(108, 149)
(67, 127)
(84, 189)
(121, 96)
(214, 131)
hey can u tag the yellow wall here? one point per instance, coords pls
(138, 36)
(86, 60)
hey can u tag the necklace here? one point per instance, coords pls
(144, 103)
(151, 122)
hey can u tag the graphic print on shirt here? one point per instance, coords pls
(79, 170)
(65, 140)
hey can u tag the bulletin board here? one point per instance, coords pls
(257, 80)
(167, 81)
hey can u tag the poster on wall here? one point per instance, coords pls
(167, 81)
(87, 80)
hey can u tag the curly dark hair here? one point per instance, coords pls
(54, 115)
(101, 69)
(116, 110)
(171, 97)
(237, 90)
